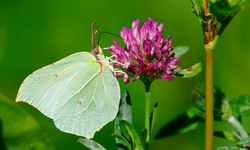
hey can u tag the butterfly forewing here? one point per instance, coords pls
(89, 109)
(43, 87)
(79, 94)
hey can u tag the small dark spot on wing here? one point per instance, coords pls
(79, 102)
(56, 75)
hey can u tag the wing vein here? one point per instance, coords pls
(68, 84)
(56, 63)
(76, 92)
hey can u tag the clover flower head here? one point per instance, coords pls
(146, 54)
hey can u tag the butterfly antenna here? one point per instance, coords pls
(95, 48)
(108, 33)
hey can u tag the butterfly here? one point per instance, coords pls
(80, 92)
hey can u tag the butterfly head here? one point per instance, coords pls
(97, 52)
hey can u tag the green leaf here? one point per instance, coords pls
(91, 144)
(153, 117)
(20, 130)
(124, 142)
(124, 113)
(241, 105)
(222, 109)
(197, 9)
(190, 72)
(180, 50)
(124, 132)
(143, 139)
(225, 135)
(230, 148)
(132, 133)
(125, 108)
(225, 10)
(244, 141)
(236, 135)
(188, 121)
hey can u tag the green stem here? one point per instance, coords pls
(147, 82)
(209, 96)
(235, 123)
(147, 111)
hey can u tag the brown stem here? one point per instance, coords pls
(209, 77)
(205, 7)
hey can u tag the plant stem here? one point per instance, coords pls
(238, 127)
(205, 6)
(147, 84)
(147, 111)
(209, 118)
(209, 44)
(209, 96)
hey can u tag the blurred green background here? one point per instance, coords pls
(37, 33)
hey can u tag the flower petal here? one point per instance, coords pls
(135, 29)
(120, 74)
(135, 78)
(126, 78)
(160, 27)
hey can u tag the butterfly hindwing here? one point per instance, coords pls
(91, 108)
